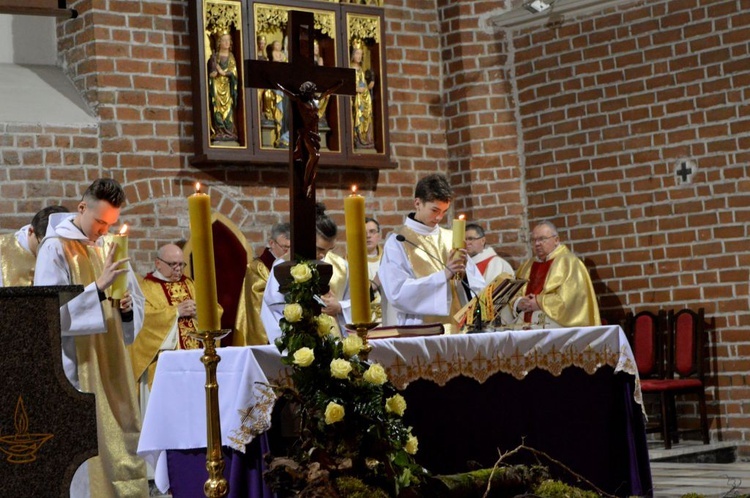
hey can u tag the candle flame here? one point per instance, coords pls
(124, 229)
(197, 187)
(354, 189)
(461, 216)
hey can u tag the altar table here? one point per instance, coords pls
(572, 393)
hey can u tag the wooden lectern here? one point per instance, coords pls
(47, 427)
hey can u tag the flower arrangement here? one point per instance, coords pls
(350, 415)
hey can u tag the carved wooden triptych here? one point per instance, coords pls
(237, 124)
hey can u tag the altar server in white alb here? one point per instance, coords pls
(420, 273)
(336, 303)
(95, 330)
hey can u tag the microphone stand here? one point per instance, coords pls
(476, 319)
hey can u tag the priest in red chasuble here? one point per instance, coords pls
(169, 313)
(559, 292)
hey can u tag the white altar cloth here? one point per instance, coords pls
(175, 417)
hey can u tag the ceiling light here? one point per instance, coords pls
(537, 6)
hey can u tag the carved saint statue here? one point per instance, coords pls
(222, 88)
(362, 102)
(307, 135)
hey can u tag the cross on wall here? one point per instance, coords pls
(685, 170)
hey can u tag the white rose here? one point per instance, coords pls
(352, 345)
(375, 375)
(396, 404)
(325, 324)
(412, 445)
(340, 369)
(301, 273)
(293, 312)
(334, 413)
(304, 357)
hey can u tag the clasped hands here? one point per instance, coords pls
(528, 303)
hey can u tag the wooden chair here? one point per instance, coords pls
(684, 374)
(646, 333)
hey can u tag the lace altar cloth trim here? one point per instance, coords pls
(480, 356)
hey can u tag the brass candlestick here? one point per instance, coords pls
(216, 486)
(362, 329)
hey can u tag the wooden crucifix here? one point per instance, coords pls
(300, 79)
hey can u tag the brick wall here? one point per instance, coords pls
(481, 131)
(609, 106)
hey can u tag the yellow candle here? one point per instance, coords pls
(356, 251)
(120, 285)
(206, 302)
(459, 232)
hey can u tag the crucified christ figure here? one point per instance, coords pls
(307, 135)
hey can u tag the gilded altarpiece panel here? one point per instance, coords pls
(239, 125)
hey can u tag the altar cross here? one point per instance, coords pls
(300, 69)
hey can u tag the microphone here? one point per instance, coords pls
(477, 318)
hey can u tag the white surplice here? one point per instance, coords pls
(495, 267)
(83, 314)
(408, 298)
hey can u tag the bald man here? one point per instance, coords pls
(169, 313)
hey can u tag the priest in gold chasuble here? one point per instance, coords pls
(17, 260)
(18, 250)
(249, 329)
(420, 272)
(95, 331)
(559, 292)
(169, 313)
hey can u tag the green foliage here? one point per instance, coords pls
(557, 489)
(367, 446)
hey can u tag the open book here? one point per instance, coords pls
(406, 331)
(496, 295)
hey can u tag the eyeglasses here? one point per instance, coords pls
(542, 239)
(472, 239)
(286, 247)
(374, 231)
(174, 265)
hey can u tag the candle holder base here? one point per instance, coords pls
(216, 486)
(362, 329)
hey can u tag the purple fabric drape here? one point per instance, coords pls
(243, 471)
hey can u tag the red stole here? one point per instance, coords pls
(176, 292)
(482, 265)
(537, 278)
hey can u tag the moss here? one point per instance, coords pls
(351, 487)
(557, 489)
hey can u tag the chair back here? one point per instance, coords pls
(646, 331)
(685, 343)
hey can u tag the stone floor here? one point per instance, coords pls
(681, 476)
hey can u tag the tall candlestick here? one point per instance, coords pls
(459, 232)
(204, 273)
(120, 285)
(356, 251)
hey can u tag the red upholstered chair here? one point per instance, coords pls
(684, 372)
(230, 260)
(645, 331)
